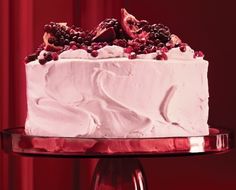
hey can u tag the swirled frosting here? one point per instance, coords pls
(78, 95)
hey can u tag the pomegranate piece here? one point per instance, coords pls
(107, 30)
(132, 26)
(106, 34)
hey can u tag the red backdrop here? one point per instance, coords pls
(205, 25)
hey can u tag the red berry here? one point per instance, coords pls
(198, 54)
(54, 56)
(132, 55)
(94, 53)
(31, 57)
(42, 61)
(161, 56)
(182, 47)
(164, 49)
(73, 47)
(129, 49)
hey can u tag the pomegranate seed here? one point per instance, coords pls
(132, 55)
(94, 53)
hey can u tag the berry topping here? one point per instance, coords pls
(132, 55)
(54, 56)
(161, 56)
(133, 35)
(31, 57)
(94, 53)
(182, 47)
(198, 54)
(42, 61)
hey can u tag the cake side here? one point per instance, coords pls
(117, 98)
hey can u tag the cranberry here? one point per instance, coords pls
(161, 56)
(198, 54)
(132, 55)
(94, 53)
(182, 47)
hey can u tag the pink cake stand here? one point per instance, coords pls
(118, 167)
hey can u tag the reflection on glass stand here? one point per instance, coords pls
(118, 167)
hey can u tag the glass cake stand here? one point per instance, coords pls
(118, 167)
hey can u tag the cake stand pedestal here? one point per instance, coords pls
(118, 167)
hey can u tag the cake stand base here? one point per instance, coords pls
(118, 174)
(118, 167)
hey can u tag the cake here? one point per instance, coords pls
(120, 80)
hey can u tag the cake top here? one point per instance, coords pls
(128, 37)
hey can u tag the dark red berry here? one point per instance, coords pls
(164, 49)
(48, 56)
(51, 40)
(89, 49)
(54, 56)
(129, 49)
(132, 55)
(198, 54)
(73, 47)
(161, 56)
(42, 61)
(31, 57)
(72, 43)
(47, 28)
(94, 53)
(182, 47)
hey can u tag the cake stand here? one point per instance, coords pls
(118, 167)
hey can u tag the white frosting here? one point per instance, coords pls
(117, 51)
(117, 97)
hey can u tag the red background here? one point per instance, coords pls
(205, 25)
